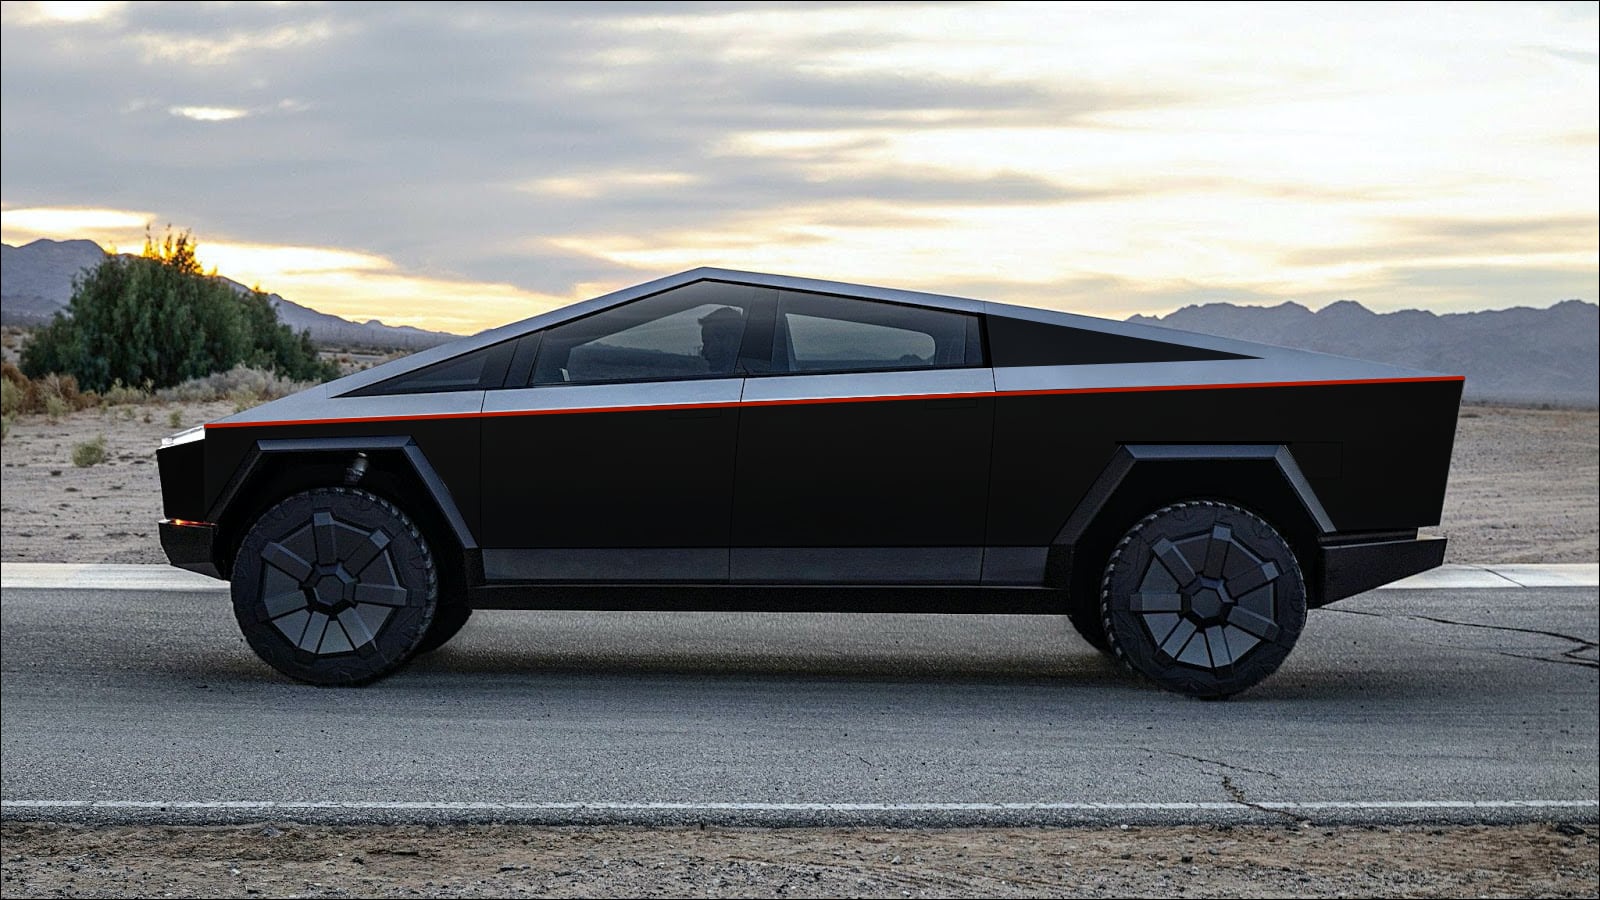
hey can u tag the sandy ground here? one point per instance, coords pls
(1523, 489)
(1523, 486)
(42, 860)
(53, 511)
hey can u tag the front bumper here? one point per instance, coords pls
(189, 545)
(1349, 569)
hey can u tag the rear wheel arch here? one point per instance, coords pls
(1141, 478)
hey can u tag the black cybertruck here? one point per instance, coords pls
(721, 440)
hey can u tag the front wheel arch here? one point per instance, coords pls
(395, 469)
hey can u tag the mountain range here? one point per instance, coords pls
(36, 283)
(1520, 356)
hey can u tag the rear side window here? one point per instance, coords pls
(1020, 342)
(836, 334)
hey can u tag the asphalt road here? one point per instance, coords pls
(1401, 704)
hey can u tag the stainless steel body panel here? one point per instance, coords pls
(908, 384)
(632, 395)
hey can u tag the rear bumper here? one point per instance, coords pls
(188, 545)
(1349, 569)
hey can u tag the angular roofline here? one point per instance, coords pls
(512, 330)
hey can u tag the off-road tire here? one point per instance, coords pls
(335, 586)
(1203, 598)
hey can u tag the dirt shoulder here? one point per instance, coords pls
(1523, 486)
(47, 860)
(54, 511)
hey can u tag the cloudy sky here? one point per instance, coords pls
(462, 165)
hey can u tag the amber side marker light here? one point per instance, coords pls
(190, 523)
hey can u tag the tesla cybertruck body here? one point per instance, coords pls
(721, 440)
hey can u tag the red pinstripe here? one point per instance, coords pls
(813, 400)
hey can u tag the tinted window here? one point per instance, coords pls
(475, 371)
(691, 332)
(1019, 342)
(837, 334)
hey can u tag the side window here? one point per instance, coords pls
(692, 332)
(479, 370)
(838, 334)
(1021, 342)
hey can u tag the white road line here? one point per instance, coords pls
(166, 578)
(105, 577)
(607, 806)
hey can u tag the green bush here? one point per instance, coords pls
(158, 320)
(175, 419)
(89, 453)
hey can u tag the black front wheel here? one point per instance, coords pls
(1203, 598)
(335, 586)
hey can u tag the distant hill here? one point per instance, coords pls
(36, 279)
(36, 283)
(1520, 355)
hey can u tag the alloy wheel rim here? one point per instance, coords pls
(330, 586)
(1206, 600)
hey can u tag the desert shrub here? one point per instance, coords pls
(89, 453)
(54, 395)
(239, 384)
(5, 425)
(175, 419)
(120, 394)
(159, 319)
(66, 388)
(10, 398)
(243, 399)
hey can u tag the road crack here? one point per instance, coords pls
(1214, 762)
(1571, 655)
(1237, 793)
(1234, 791)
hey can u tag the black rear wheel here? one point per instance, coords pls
(335, 586)
(1203, 598)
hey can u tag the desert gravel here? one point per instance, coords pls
(42, 860)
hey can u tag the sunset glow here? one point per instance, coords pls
(357, 286)
(461, 168)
